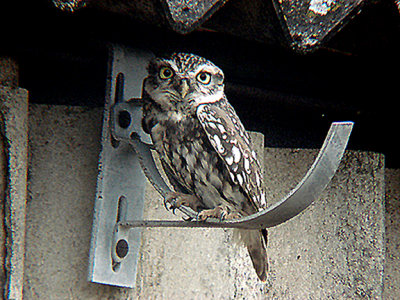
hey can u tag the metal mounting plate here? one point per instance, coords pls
(121, 183)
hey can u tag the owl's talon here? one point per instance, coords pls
(188, 219)
(165, 204)
(176, 200)
(217, 212)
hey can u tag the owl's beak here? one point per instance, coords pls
(184, 88)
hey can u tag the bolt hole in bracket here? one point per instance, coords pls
(115, 247)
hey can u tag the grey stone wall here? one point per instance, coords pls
(392, 224)
(333, 250)
(14, 149)
(64, 147)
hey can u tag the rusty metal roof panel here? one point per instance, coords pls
(302, 25)
(308, 23)
(186, 15)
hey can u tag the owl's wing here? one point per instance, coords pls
(233, 144)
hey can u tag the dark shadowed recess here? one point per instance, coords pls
(291, 98)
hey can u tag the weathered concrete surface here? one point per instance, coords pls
(64, 147)
(8, 72)
(392, 222)
(3, 185)
(14, 114)
(334, 250)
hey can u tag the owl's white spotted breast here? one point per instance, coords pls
(192, 164)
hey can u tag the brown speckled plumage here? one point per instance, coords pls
(203, 145)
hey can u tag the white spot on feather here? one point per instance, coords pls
(218, 144)
(212, 125)
(258, 181)
(245, 176)
(262, 201)
(240, 179)
(229, 160)
(233, 177)
(247, 165)
(255, 199)
(221, 128)
(236, 154)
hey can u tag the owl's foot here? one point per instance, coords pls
(232, 215)
(176, 200)
(218, 212)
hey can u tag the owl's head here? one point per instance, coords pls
(183, 81)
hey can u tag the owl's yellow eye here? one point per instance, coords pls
(166, 73)
(204, 77)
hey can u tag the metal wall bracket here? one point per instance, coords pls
(121, 183)
(126, 159)
(308, 190)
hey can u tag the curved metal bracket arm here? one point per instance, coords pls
(308, 189)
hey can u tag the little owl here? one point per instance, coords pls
(204, 149)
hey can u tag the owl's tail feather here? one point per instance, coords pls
(256, 242)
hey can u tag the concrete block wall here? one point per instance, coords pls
(13, 178)
(392, 230)
(333, 250)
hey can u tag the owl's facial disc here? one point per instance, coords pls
(180, 85)
(183, 82)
